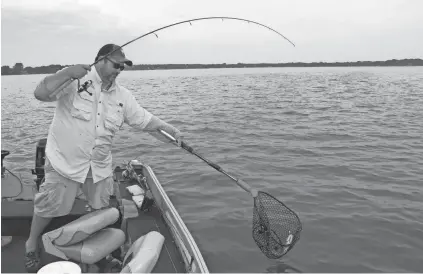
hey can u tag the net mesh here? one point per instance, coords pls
(276, 228)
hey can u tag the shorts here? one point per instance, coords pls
(57, 194)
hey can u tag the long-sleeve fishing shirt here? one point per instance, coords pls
(81, 133)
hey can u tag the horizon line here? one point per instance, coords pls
(238, 63)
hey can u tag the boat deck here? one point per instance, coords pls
(16, 222)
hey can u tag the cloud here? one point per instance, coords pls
(38, 37)
(66, 32)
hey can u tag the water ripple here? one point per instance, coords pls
(341, 146)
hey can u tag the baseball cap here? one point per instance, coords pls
(117, 55)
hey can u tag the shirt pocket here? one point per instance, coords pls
(114, 118)
(83, 106)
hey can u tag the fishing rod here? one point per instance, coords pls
(64, 85)
(197, 19)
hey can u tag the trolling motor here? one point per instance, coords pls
(40, 158)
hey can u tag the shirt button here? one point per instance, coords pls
(98, 113)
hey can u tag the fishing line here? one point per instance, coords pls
(192, 20)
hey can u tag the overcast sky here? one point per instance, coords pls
(44, 32)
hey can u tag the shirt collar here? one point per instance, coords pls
(96, 77)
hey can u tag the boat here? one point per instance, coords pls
(144, 229)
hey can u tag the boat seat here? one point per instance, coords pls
(143, 254)
(87, 239)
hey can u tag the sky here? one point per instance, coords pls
(65, 32)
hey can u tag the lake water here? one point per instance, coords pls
(342, 147)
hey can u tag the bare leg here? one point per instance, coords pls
(37, 227)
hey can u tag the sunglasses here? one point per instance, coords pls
(117, 65)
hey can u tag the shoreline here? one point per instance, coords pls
(19, 69)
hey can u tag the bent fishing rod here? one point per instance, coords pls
(203, 18)
(64, 85)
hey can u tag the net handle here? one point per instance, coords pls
(188, 148)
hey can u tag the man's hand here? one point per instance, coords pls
(156, 124)
(78, 71)
(178, 136)
(49, 88)
(174, 132)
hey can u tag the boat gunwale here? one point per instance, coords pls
(195, 251)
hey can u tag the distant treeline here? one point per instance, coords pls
(19, 68)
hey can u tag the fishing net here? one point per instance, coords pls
(276, 228)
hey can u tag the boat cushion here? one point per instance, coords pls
(96, 247)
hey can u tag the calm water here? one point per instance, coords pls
(341, 146)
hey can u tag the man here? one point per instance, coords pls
(78, 151)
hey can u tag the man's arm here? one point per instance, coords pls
(157, 124)
(138, 117)
(51, 84)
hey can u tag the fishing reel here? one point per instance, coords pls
(85, 86)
